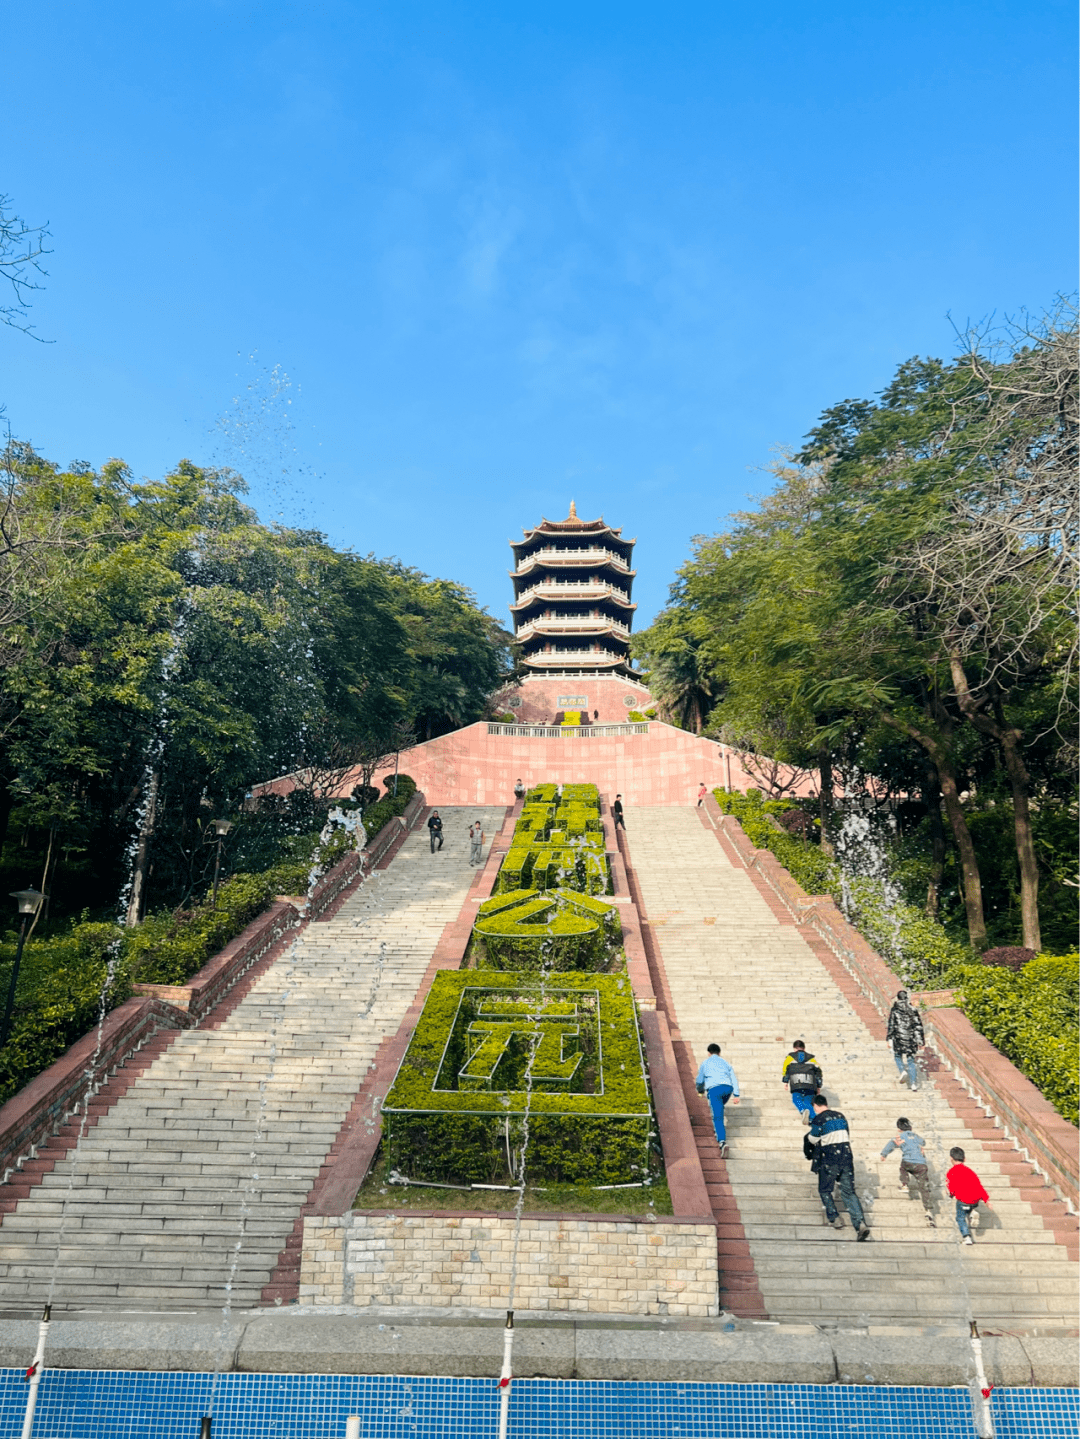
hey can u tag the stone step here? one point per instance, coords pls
(153, 1202)
(755, 984)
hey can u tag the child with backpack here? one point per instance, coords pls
(803, 1078)
(965, 1186)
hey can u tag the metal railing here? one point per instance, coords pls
(566, 731)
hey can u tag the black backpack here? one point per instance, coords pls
(804, 1075)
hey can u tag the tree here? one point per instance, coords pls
(22, 249)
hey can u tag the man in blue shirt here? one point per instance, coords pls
(716, 1080)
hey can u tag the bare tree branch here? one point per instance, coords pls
(22, 248)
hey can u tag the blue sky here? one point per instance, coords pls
(510, 254)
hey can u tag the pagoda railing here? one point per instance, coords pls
(559, 587)
(567, 657)
(567, 624)
(566, 731)
(554, 556)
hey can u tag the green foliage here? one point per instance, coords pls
(59, 996)
(404, 784)
(563, 930)
(1032, 1018)
(542, 794)
(572, 717)
(588, 1110)
(919, 949)
(636, 717)
(387, 808)
(160, 619)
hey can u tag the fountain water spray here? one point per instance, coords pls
(33, 1374)
(863, 858)
(507, 1371)
(353, 825)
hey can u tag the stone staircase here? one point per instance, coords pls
(186, 1186)
(747, 977)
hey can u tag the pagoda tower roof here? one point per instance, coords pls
(572, 525)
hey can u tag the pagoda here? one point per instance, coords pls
(572, 608)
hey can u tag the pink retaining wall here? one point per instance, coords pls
(663, 766)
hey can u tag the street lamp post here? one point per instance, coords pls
(29, 901)
(221, 829)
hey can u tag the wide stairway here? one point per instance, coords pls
(740, 977)
(184, 1193)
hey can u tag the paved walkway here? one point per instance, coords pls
(739, 976)
(191, 1182)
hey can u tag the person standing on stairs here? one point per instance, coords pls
(803, 1078)
(827, 1144)
(905, 1034)
(476, 844)
(702, 795)
(434, 825)
(716, 1080)
(914, 1172)
(616, 810)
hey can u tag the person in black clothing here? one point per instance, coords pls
(827, 1145)
(905, 1033)
(434, 825)
(803, 1077)
(616, 810)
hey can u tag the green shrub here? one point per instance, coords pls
(1031, 1016)
(564, 930)
(406, 786)
(59, 997)
(572, 717)
(636, 717)
(457, 1109)
(916, 947)
(542, 794)
(586, 794)
(61, 976)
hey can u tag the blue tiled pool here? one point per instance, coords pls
(108, 1404)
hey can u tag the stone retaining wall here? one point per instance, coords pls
(571, 1263)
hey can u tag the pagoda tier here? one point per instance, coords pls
(572, 607)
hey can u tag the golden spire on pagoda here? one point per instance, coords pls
(573, 511)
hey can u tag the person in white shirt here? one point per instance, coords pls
(716, 1080)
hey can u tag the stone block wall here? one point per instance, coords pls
(568, 1263)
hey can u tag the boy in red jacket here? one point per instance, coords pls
(966, 1188)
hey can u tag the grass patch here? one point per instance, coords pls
(377, 1193)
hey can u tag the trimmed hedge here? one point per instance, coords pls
(1032, 1017)
(563, 929)
(597, 1128)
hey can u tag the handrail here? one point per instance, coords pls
(565, 731)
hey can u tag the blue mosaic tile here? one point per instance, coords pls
(107, 1404)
